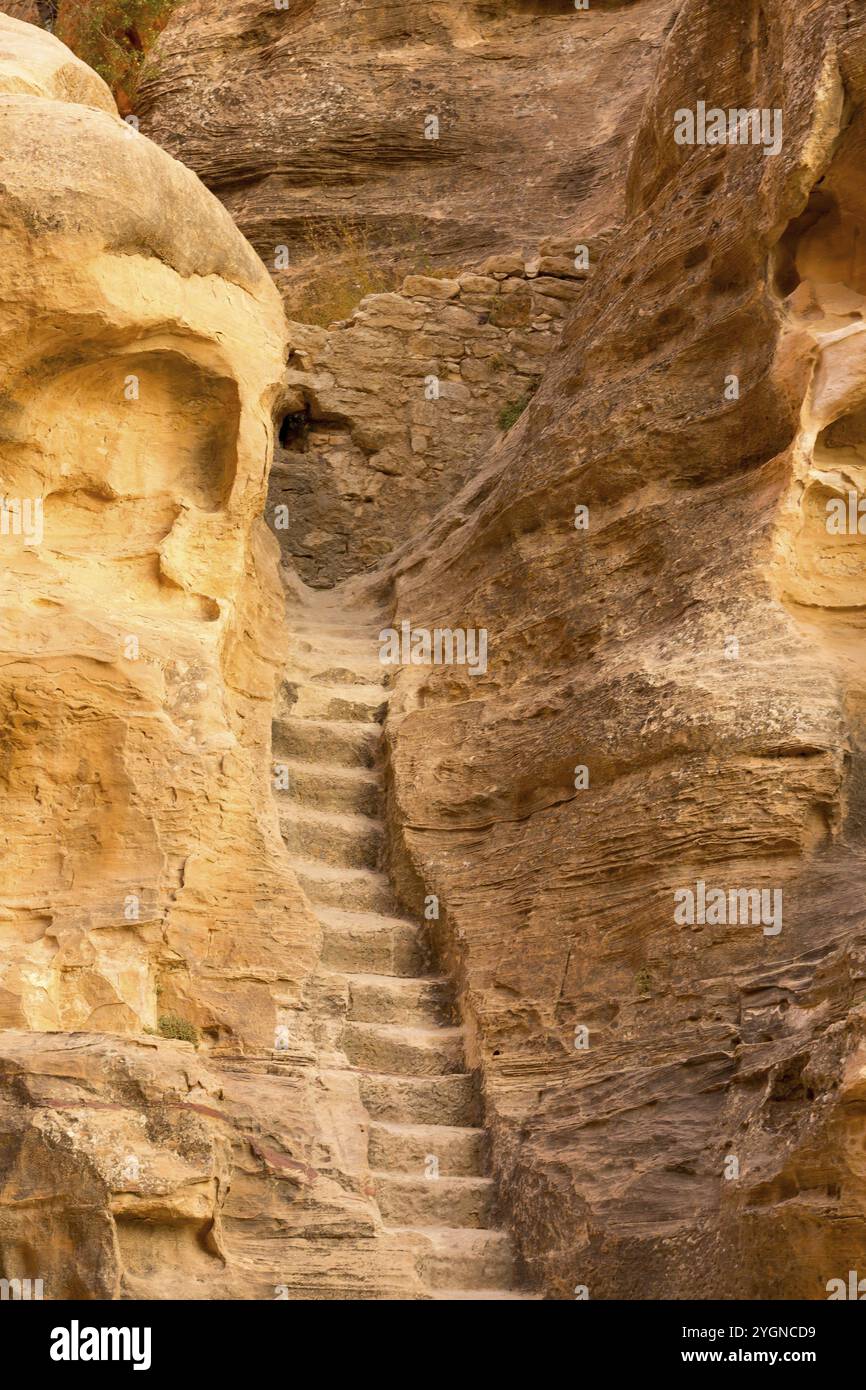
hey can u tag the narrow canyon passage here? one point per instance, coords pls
(379, 1006)
(433, 751)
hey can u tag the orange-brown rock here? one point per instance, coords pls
(675, 1105)
(146, 891)
(408, 139)
(441, 133)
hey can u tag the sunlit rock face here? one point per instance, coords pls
(673, 708)
(143, 876)
(141, 346)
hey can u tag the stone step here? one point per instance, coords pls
(371, 944)
(361, 890)
(356, 704)
(336, 664)
(416, 1002)
(461, 1257)
(348, 743)
(335, 837)
(329, 787)
(405, 1200)
(322, 629)
(339, 660)
(341, 672)
(402, 1051)
(460, 1149)
(422, 1100)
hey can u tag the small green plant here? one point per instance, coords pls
(113, 37)
(511, 413)
(171, 1026)
(643, 981)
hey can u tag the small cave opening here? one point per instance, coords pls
(293, 430)
(848, 433)
(787, 1083)
(787, 273)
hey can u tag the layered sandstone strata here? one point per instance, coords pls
(673, 704)
(444, 132)
(146, 893)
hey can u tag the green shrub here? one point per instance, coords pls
(511, 413)
(113, 37)
(170, 1026)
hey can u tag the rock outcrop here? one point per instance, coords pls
(147, 898)
(141, 634)
(672, 706)
(385, 417)
(447, 132)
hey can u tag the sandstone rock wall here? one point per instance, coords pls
(697, 651)
(135, 1168)
(386, 416)
(141, 626)
(310, 119)
(145, 892)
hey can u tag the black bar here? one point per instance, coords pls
(279, 1337)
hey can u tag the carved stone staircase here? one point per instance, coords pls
(399, 1030)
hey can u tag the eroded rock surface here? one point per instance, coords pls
(698, 651)
(141, 621)
(313, 117)
(145, 889)
(135, 1168)
(385, 417)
